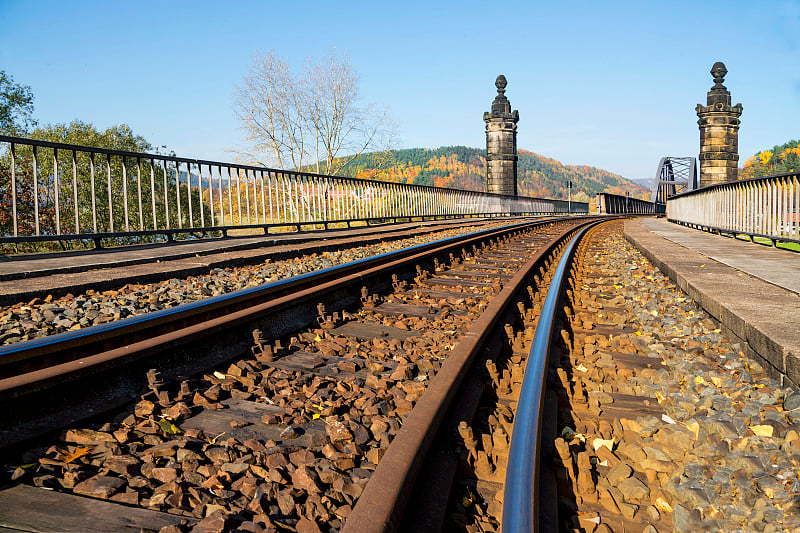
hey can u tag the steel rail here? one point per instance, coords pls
(381, 506)
(101, 368)
(521, 490)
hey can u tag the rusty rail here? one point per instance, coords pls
(86, 372)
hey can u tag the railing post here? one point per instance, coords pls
(14, 190)
(93, 192)
(153, 193)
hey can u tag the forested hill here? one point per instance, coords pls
(464, 168)
(778, 160)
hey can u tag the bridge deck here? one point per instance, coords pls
(752, 290)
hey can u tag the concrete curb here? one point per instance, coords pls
(765, 318)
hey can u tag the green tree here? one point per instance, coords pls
(78, 186)
(16, 106)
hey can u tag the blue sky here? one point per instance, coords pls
(607, 84)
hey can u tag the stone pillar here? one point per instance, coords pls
(719, 133)
(501, 143)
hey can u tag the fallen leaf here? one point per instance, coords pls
(68, 457)
(662, 505)
(668, 419)
(219, 375)
(608, 443)
(168, 427)
(694, 427)
(581, 368)
(762, 430)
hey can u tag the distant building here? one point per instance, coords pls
(501, 143)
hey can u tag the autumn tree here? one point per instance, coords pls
(312, 118)
(16, 106)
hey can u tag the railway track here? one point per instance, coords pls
(257, 421)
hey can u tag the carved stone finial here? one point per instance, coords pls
(501, 83)
(719, 71)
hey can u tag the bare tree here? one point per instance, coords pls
(314, 117)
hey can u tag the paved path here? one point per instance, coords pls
(779, 267)
(752, 290)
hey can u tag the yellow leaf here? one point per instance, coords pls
(659, 397)
(762, 430)
(315, 416)
(694, 427)
(219, 375)
(608, 443)
(716, 381)
(662, 505)
(68, 457)
(317, 338)
(168, 427)
(638, 333)
(617, 286)
(581, 368)
(699, 380)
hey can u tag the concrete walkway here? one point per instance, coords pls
(752, 290)
(779, 267)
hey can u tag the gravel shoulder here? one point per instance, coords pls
(719, 449)
(146, 289)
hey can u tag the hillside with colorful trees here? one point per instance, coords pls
(465, 168)
(778, 160)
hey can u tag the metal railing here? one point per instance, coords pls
(767, 207)
(55, 191)
(521, 502)
(618, 204)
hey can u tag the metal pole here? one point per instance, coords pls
(75, 190)
(35, 190)
(13, 189)
(202, 193)
(178, 193)
(56, 187)
(189, 193)
(125, 192)
(166, 196)
(139, 191)
(91, 183)
(153, 193)
(247, 195)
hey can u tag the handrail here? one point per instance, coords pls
(768, 207)
(794, 173)
(618, 204)
(521, 491)
(59, 191)
(206, 162)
